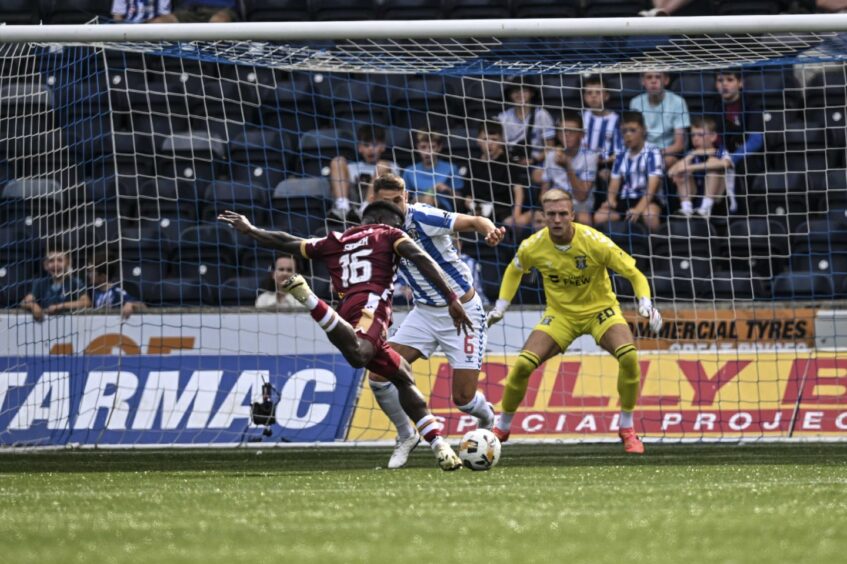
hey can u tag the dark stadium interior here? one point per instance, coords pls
(183, 140)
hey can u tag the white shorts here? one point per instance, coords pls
(427, 328)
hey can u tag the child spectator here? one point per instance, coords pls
(704, 170)
(739, 125)
(636, 177)
(352, 181)
(601, 126)
(106, 294)
(495, 182)
(528, 130)
(284, 268)
(432, 180)
(59, 291)
(572, 167)
(665, 115)
(142, 11)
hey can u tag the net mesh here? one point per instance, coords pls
(123, 155)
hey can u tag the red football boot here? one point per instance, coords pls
(631, 443)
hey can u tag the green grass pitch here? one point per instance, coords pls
(556, 503)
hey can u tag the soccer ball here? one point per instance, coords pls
(480, 449)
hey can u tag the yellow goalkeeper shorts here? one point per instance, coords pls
(564, 328)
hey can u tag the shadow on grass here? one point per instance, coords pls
(310, 460)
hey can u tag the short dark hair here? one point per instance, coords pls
(388, 181)
(730, 72)
(491, 128)
(383, 212)
(286, 256)
(706, 122)
(370, 134)
(633, 117)
(570, 115)
(594, 80)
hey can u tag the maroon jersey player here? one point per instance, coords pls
(362, 262)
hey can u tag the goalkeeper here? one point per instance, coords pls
(573, 261)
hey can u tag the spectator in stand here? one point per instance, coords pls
(57, 292)
(739, 125)
(601, 126)
(529, 130)
(351, 181)
(705, 170)
(142, 11)
(204, 11)
(572, 168)
(665, 116)
(497, 186)
(432, 180)
(636, 178)
(678, 8)
(831, 5)
(284, 268)
(106, 294)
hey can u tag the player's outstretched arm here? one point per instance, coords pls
(276, 239)
(430, 269)
(508, 288)
(482, 225)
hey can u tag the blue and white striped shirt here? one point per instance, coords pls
(139, 11)
(635, 171)
(602, 134)
(432, 229)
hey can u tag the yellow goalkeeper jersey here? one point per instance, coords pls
(576, 280)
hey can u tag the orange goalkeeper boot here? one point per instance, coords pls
(631, 443)
(501, 435)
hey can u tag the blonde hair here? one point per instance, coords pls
(555, 195)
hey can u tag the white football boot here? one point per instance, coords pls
(402, 449)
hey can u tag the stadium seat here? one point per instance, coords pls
(677, 277)
(476, 9)
(411, 10)
(698, 89)
(545, 8)
(15, 282)
(479, 98)
(276, 10)
(342, 10)
(251, 201)
(300, 205)
(419, 103)
(827, 90)
(350, 101)
(168, 197)
(73, 11)
(176, 292)
(803, 285)
(762, 243)
(631, 237)
(739, 282)
(768, 88)
(560, 91)
(25, 12)
(151, 239)
(239, 291)
(260, 156)
(292, 106)
(318, 147)
(836, 188)
(209, 244)
(190, 156)
(684, 237)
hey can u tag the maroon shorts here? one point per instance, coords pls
(370, 316)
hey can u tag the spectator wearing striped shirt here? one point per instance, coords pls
(665, 116)
(704, 171)
(105, 294)
(142, 11)
(636, 177)
(602, 133)
(572, 167)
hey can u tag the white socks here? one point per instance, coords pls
(479, 408)
(389, 400)
(504, 422)
(626, 420)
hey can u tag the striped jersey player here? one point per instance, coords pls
(427, 327)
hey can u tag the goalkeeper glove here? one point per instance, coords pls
(646, 309)
(497, 313)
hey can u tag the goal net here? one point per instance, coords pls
(120, 145)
